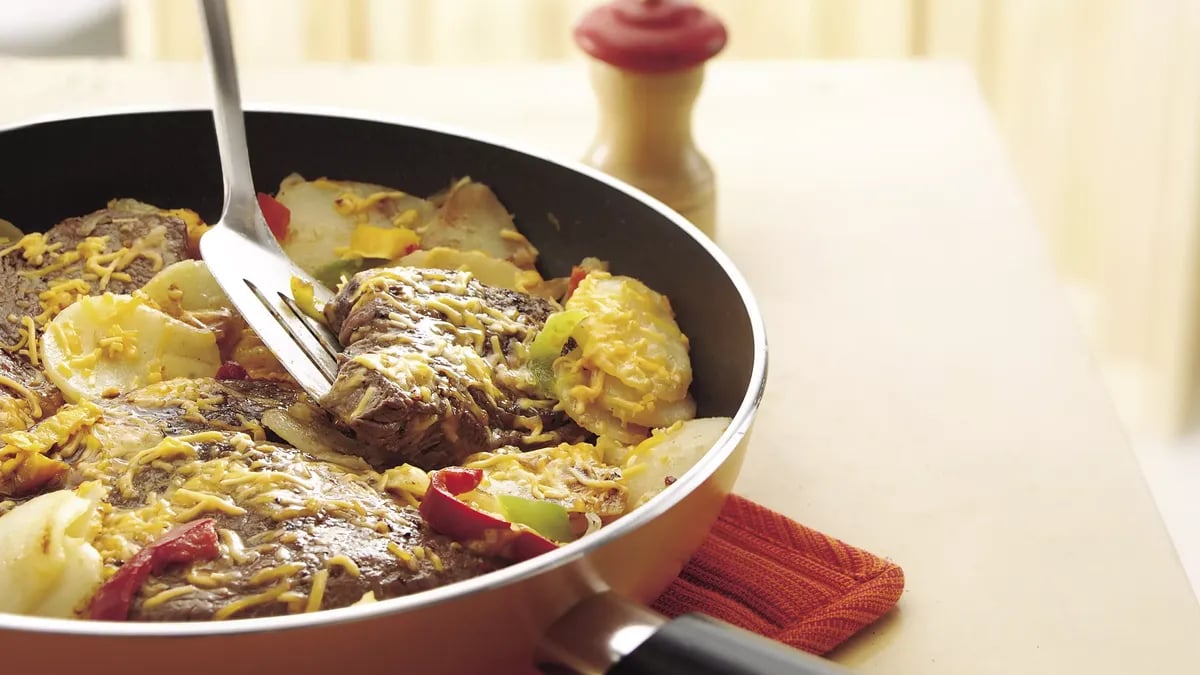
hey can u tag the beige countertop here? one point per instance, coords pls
(930, 397)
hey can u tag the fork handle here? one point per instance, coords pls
(241, 211)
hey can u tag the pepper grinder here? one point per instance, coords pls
(647, 68)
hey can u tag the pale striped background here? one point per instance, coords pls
(1098, 101)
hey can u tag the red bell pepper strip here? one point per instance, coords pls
(187, 543)
(464, 523)
(277, 215)
(578, 274)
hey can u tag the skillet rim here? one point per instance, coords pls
(569, 554)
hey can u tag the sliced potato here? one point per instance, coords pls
(324, 214)
(667, 455)
(9, 232)
(189, 285)
(631, 371)
(48, 566)
(471, 218)
(106, 345)
(485, 268)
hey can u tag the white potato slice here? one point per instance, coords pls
(106, 345)
(631, 371)
(189, 284)
(471, 218)
(48, 566)
(320, 225)
(9, 232)
(485, 268)
(668, 454)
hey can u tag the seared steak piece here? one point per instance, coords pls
(299, 532)
(26, 396)
(187, 406)
(110, 250)
(432, 371)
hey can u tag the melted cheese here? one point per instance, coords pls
(274, 573)
(167, 595)
(15, 414)
(432, 342)
(573, 476)
(52, 431)
(350, 204)
(345, 563)
(32, 406)
(631, 370)
(29, 330)
(101, 344)
(243, 478)
(405, 557)
(270, 595)
(34, 248)
(406, 218)
(71, 274)
(59, 296)
(166, 481)
(317, 595)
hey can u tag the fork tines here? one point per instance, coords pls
(258, 283)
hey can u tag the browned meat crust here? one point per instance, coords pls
(20, 380)
(431, 371)
(109, 250)
(292, 522)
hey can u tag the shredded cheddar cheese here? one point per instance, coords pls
(171, 449)
(16, 414)
(317, 595)
(167, 595)
(571, 475)
(350, 204)
(270, 595)
(345, 563)
(26, 395)
(59, 296)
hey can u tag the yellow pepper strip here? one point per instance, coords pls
(302, 293)
(368, 241)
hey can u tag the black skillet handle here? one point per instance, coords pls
(608, 634)
(694, 644)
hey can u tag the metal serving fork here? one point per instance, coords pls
(240, 250)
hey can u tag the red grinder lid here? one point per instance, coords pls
(650, 36)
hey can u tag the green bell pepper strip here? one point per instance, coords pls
(464, 523)
(547, 346)
(548, 518)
